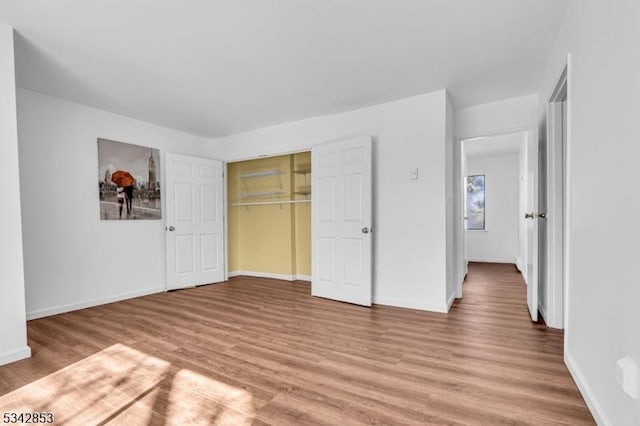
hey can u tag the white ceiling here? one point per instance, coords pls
(216, 67)
(493, 145)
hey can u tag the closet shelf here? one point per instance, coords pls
(254, 175)
(262, 194)
(264, 203)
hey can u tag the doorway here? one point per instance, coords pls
(287, 223)
(269, 217)
(510, 232)
(492, 173)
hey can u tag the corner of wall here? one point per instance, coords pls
(585, 389)
(13, 345)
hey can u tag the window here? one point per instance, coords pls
(475, 203)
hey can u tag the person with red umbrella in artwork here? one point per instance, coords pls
(120, 197)
(125, 183)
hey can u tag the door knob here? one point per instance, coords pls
(542, 215)
(365, 230)
(529, 215)
(172, 228)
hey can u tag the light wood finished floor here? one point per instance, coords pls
(260, 351)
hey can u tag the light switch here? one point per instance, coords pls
(627, 376)
(415, 174)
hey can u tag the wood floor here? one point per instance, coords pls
(259, 351)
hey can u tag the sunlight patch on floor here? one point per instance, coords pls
(121, 384)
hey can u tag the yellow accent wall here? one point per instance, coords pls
(271, 238)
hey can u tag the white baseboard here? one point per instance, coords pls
(285, 277)
(547, 320)
(489, 260)
(519, 264)
(450, 301)
(594, 406)
(410, 305)
(303, 277)
(15, 355)
(543, 312)
(40, 313)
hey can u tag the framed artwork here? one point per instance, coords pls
(128, 181)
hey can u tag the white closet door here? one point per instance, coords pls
(341, 221)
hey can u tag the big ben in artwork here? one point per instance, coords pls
(152, 185)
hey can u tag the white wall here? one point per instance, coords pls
(506, 116)
(603, 152)
(13, 329)
(499, 241)
(72, 258)
(409, 216)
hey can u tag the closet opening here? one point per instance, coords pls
(269, 217)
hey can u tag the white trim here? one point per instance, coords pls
(491, 260)
(519, 263)
(556, 165)
(410, 305)
(91, 303)
(452, 298)
(594, 406)
(568, 206)
(543, 312)
(496, 132)
(458, 291)
(266, 154)
(285, 277)
(225, 218)
(524, 130)
(15, 355)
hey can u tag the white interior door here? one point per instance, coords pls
(463, 195)
(341, 221)
(195, 225)
(531, 216)
(552, 249)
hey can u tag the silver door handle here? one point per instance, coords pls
(172, 228)
(365, 230)
(542, 215)
(528, 215)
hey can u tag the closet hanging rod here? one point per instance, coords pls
(262, 194)
(264, 203)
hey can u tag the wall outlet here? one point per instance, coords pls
(627, 376)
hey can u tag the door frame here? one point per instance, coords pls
(462, 242)
(225, 165)
(558, 200)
